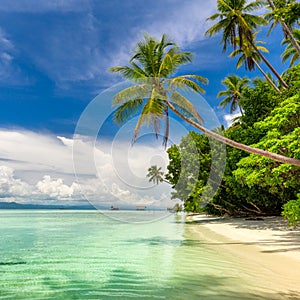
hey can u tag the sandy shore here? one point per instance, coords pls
(266, 248)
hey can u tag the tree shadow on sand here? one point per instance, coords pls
(286, 238)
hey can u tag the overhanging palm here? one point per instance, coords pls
(156, 91)
(151, 64)
(235, 86)
(235, 21)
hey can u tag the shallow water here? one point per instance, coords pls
(87, 255)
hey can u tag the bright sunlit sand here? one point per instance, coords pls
(267, 245)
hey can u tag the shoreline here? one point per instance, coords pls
(267, 249)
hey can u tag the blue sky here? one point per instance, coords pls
(54, 57)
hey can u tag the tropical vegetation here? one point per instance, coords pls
(263, 146)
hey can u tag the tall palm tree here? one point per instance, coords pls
(156, 175)
(250, 59)
(235, 20)
(290, 51)
(156, 91)
(235, 86)
(152, 62)
(275, 17)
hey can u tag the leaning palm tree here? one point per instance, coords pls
(156, 91)
(235, 86)
(290, 51)
(152, 62)
(235, 21)
(155, 175)
(249, 57)
(278, 14)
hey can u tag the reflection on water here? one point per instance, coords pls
(85, 255)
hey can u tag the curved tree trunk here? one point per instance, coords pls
(249, 149)
(286, 30)
(268, 64)
(267, 77)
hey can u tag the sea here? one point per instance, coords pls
(60, 254)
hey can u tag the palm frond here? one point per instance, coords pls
(127, 110)
(133, 92)
(213, 17)
(127, 72)
(185, 82)
(185, 105)
(151, 112)
(290, 51)
(253, 6)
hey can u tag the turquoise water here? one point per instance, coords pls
(86, 255)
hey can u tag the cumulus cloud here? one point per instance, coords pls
(55, 188)
(11, 186)
(35, 167)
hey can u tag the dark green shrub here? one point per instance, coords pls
(291, 211)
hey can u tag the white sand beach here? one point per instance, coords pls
(267, 248)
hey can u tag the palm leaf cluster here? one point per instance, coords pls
(290, 51)
(235, 87)
(152, 69)
(155, 174)
(153, 95)
(238, 26)
(235, 21)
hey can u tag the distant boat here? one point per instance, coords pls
(114, 207)
(140, 207)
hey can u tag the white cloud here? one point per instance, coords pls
(230, 119)
(10, 72)
(11, 186)
(98, 35)
(6, 58)
(35, 167)
(55, 188)
(184, 21)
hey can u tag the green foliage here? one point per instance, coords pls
(291, 211)
(286, 10)
(235, 20)
(251, 184)
(247, 54)
(258, 102)
(290, 51)
(155, 174)
(235, 87)
(152, 63)
(282, 135)
(188, 169)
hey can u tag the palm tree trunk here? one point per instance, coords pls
(249, 149)
(268, 63)
(267, 77)
(166, 136)
(286, 29)
(241, 110)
